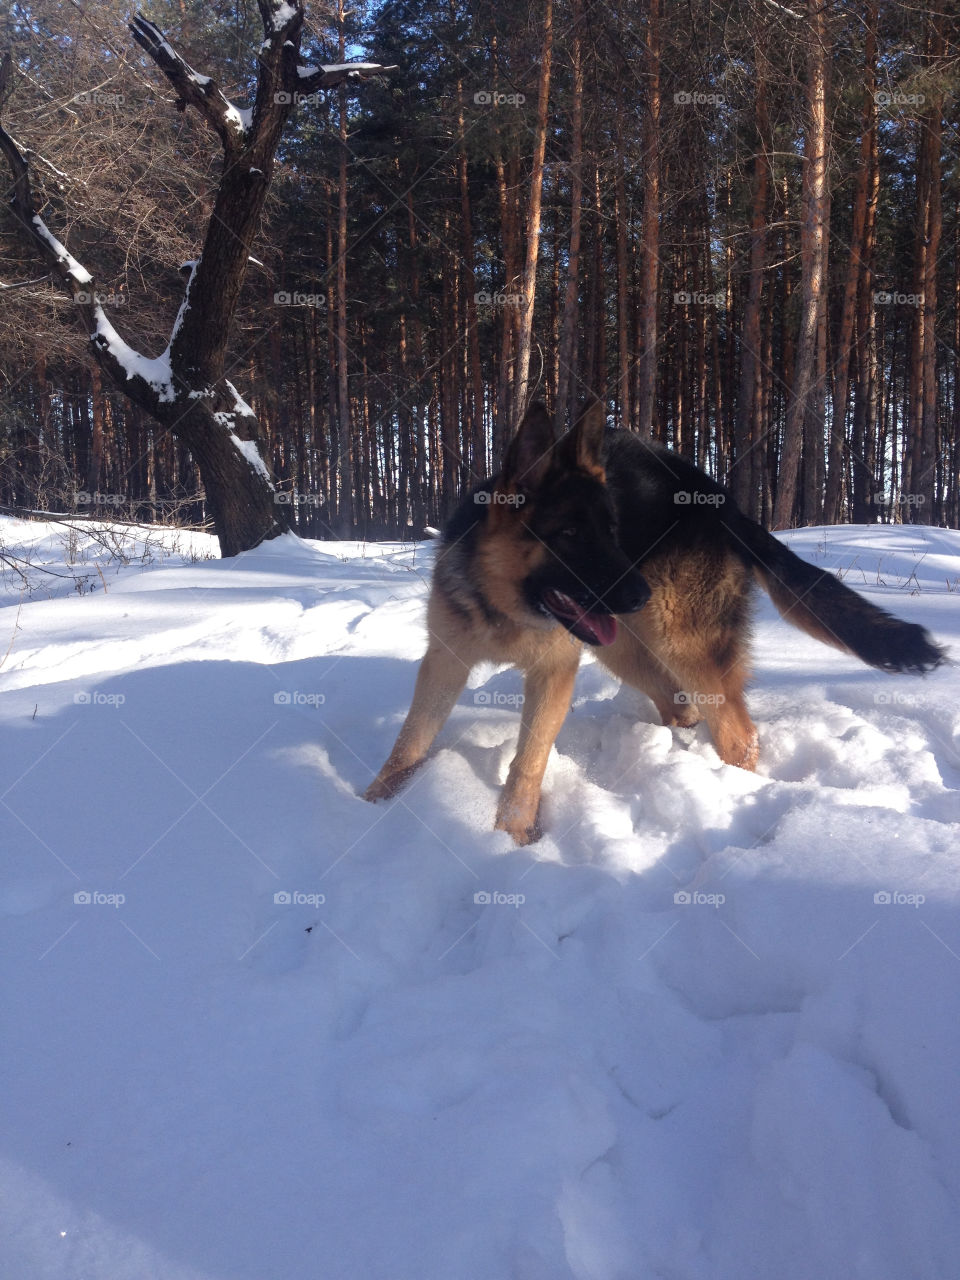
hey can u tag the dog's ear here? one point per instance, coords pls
(582, 446)
(529, 454)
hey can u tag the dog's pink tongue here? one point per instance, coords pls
(603, 626)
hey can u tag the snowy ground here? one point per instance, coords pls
(386, 1077)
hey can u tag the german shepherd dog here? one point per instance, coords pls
(604, 539)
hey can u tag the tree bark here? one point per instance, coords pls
(813, 234)
(529, 288)
(746, 435)
(650, 231)
(855, 269)
(566, 377)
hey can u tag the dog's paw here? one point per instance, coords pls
(522, 833)
(386, 786)
(743, 753)
(519, 821)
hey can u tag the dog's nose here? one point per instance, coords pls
(629, 594)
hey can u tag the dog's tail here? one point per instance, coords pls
(818, 603)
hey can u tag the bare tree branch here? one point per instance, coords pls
(192, 89)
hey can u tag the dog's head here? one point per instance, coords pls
(551, 497)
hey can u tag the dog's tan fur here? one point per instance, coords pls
(685, 640)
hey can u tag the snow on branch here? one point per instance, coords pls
(241, 415)
(227, 121)
(149, 382)
(280, 18)
(155, 372)
(328, 77)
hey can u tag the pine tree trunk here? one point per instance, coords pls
(650, 231)
(567, 373)
(529, 288)
(812, 256)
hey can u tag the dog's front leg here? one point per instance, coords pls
(440, 682)
(547, 691)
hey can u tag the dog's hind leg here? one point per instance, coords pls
(547, 691)
(440, 682)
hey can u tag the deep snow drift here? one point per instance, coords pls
(707, 1029)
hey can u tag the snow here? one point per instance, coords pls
(240, 117)
(154, 370)
(78, 273)
(249, 448)
(383, 1075)
(349, 66)
(251, 452)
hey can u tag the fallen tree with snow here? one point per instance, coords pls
(185, 388)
